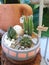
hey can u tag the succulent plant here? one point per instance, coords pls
(25, 26)
(26, 42)
(11, 33)
(28, 25)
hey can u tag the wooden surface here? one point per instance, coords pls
(7, 61)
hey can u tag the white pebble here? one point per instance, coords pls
(22, 47)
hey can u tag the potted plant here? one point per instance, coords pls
(17, 42)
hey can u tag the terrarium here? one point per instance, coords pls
(20, 42)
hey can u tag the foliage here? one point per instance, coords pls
(46, 21)
(36, 18)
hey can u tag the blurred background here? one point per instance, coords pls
(35, 8)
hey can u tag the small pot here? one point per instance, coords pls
(19, 55)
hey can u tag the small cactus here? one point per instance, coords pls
(28, 25)
(26, 42)
(11, 33)
(25, 26)
(31, 26)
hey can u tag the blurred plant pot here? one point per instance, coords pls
(19, 55)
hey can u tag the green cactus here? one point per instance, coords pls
(31, 26)
(28, 25)
(25, 26)
(11, 33)
(26, 42)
